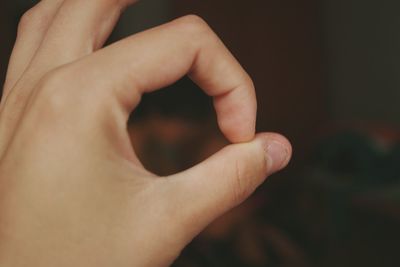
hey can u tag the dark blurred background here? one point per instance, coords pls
(328, 77)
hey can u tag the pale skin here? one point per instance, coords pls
(72, 190)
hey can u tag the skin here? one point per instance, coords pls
(72, 190)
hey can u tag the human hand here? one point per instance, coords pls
(73, 192)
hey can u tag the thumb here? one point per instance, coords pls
(226, 179)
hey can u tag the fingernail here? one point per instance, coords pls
(277, 156)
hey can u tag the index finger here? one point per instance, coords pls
(158, 57)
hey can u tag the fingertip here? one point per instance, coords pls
(236, 136)
(238, 128)
(237, 112)
(277, 149)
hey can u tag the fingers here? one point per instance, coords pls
(211, 188)
(158, 57)
(31, 31)
(79, 28)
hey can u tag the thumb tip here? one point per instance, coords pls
(278, 151)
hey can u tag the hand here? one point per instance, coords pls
(72, 190)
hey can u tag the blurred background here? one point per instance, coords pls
(327, 74)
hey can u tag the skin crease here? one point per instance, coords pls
(72, 191)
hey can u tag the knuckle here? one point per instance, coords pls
(61, 94)
(194, 23)
(33, 18)
(54, 78)
(265, 163)
(50, 92)
(25, 20)
(125, 3)
(244, 81)
(249, 81)
(247, 173)
(240, 188)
